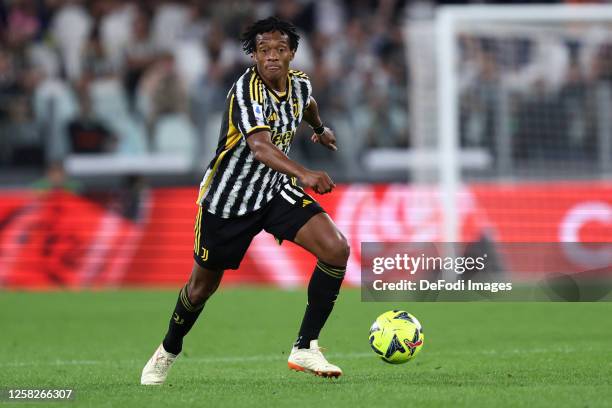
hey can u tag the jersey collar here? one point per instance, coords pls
(275, 95)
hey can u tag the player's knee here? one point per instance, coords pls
(339, 251)
(344, 250)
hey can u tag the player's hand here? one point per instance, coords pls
(319, 181)
(327, 139)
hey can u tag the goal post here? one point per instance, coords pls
(521, 98)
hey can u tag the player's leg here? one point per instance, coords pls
(219, 244)
(192, 297)
(297, 217)
(321, 237)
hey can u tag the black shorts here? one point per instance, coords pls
(220, 243)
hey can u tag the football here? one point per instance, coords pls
(396, 336)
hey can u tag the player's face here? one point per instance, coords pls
(273, 55)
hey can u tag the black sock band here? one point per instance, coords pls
(323, 290)
(184, 316)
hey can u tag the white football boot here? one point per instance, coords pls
(157, 368)
(311, 360)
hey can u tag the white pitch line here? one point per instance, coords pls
(271, 357)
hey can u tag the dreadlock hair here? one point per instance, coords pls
(269, 25)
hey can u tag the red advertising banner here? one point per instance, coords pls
(60, 240)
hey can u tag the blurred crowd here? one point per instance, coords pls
(150, 76)
(134, 77)
(547, 89)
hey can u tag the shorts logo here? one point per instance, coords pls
(204, 255)
(305, 202)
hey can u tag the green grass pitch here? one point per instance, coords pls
(475, 354)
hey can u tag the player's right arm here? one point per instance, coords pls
(247, 114)
(267, 153)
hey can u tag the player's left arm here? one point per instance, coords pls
(325, 136)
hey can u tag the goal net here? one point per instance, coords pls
(519, 107)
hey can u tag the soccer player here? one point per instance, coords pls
(251, 185)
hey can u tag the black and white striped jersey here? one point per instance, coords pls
(235, 183)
